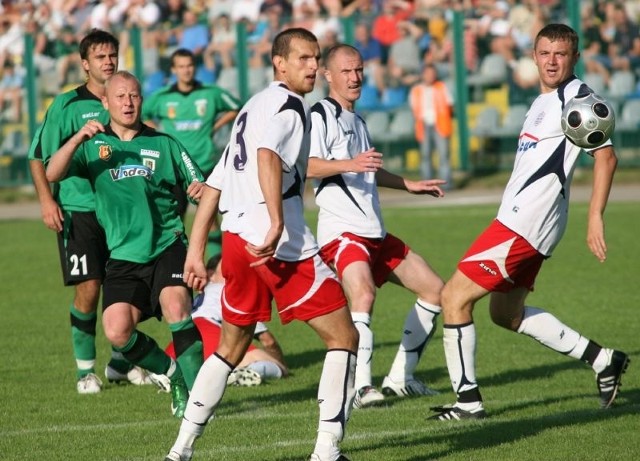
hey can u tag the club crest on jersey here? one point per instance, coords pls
(171, 111)
(131, 171)
(149, 163)
(201, 106)
(104, 152)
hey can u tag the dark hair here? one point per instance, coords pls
(331, 52)
(96, 37)
(559, 32)
(213, 262)
(182, 53)
(282, 43)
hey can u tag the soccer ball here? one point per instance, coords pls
(588, 120)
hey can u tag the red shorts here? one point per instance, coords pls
(210, 332)
(302, 290)
(500, 260)
(383, 255)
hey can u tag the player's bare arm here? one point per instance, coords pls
(52, 215)
(270, 178)
(225, 118)
(603, 171)
(431, 187)
(60, 161)
(195, 272)
(367, 161)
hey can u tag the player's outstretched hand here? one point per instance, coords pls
(195, 190)
(194, 273)
(366, 161)
(426, 186)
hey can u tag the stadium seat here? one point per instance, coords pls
(512, 121)
(402, 125)
(369, 99)
(621, 84)
(393, 97)
(228, 79)
(595, 82)
(257, 80)
(377, 124)
(487, 121)
(493, 71)
(629, 117)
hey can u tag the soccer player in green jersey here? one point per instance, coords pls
(69, 210)
(192, 112)
(133, 170)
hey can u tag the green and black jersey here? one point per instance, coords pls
(190, 117)
(67, 114)
(133, 182)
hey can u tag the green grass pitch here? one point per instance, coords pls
(542, 406)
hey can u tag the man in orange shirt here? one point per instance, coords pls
(432, 106)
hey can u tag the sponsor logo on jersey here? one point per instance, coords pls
(176, 276)
(130, 171)
(189, 164)
(526, 142)
(201, 106)
(150, 153)
(104, 152)
(188, 125)
(90, 115)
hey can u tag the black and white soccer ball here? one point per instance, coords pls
(588, 120)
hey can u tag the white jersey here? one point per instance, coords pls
(275, 119)
(535, 203)
(208, 305)
(349, 201)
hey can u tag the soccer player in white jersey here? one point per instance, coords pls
(268, 252)
(351, 231)
(505, 259)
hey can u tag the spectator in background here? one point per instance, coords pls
(218, 8)
(432, 107)
(624, 50)
(245, 9)
(371, 51)
(403, 63)
(108, 15)
(221, 50)
(385, 26)
(67, 59)
(11, 86)
(193, 36)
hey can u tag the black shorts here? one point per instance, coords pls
(141, 284)
(82, 245)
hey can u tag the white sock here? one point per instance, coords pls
(460, 352)
(335, 398)
(362, 321)
(548, 330)
(418, 328)
(206, 394)
(266, 369)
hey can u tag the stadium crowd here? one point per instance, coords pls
(396, 37)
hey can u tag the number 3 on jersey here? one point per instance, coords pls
(240, 159)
